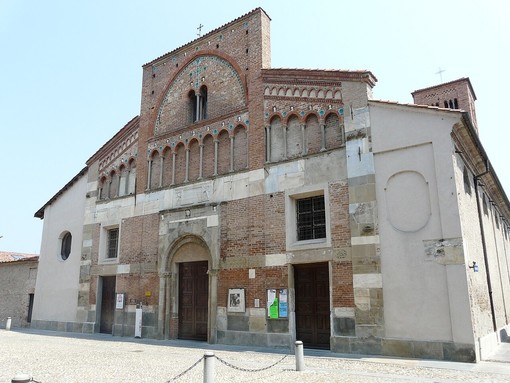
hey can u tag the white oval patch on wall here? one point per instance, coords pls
(408, 201)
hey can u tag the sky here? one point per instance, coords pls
(70, 72)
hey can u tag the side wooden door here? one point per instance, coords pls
(312, 305)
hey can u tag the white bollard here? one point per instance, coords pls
(300, 358)
(8, 324)
(209, 367)
(21, 378)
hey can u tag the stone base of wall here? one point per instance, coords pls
(80, 327)
(244, 338)
(405, 348)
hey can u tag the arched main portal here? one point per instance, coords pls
(188, 282)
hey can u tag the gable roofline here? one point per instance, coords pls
(40, 213)
(207, 35)
(130, 125)
(448, 83)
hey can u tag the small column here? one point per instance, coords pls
(173, 167)
(161, 161)
(197, 110)
(323, 137)
(216, 146)
(231, 154)
(200, 166)
(268, 143)
(303, 139)
(149, 172)
(186, 178)
(284, 127)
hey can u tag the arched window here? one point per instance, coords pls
(102, 192)
(198, 104)
(65, 246)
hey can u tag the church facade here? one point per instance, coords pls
(259, 206)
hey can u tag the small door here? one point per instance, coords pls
(312, 305)
(107, 304)
(193, 300)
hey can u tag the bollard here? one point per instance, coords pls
(300, 359)
(209, 367)
(8, 324)
(21, 378)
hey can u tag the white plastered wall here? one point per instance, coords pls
(423, 268)
(56, 290)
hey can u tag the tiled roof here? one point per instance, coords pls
(9, 256)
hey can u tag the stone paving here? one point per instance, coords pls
(50, 357)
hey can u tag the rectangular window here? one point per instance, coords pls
(113, 243)
(311, 218)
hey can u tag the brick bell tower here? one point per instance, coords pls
(457, 94)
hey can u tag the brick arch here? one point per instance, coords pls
(240, 147)
(313, 134)
(208, 155)
(294, 136)
(275, 115)
(194, 159)
(223, 138)
(113, 189)
(165, 112)
(168, 161)
(277, 147)
(333, 130)
(180, 163)
(101, 186)
(155, 170)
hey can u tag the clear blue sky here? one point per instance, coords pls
(70, 72)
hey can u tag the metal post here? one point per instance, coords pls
(209, 367)
(8, 324)
(21, 378)
(300, 359)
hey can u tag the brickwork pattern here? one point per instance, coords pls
(139, 239)
(255, 288)
(234, 54)
(253, 226)
(341, 284)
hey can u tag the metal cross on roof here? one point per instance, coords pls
(440, 73)
(200, 30)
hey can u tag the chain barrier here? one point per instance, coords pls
(248, 369)
(186, 371)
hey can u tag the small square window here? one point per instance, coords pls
(311, 218)
(113, 243)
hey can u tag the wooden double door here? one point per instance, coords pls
(193, 300)
(312, 305)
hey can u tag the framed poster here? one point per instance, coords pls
(236, 302)
(119, 301)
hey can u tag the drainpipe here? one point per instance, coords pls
(484, 245)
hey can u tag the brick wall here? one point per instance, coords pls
(139, 239)
(227, 61)
(253, 226)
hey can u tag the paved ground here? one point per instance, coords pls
(51, 357)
